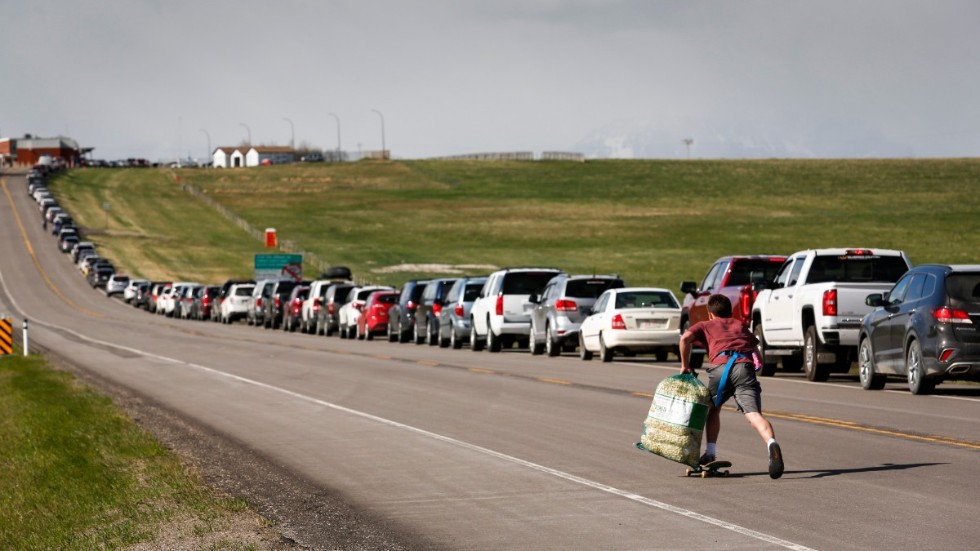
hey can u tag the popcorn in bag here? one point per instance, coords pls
(675, 423)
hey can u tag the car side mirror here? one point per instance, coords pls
(759, 283)
(875, 300)
(689, 287)
(533, 298)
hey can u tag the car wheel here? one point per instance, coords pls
(661, 355)
(368, 335)
(404, 336)
(918, 383)
(532, 344)
(493, 341)
(811, 349)
(475, 344)
(443, 341)
(605, 354)
(551, 346)
(454, 341)
(583, 353)
(433, 333)
(358, 333)
(866, 367)
(768, 367)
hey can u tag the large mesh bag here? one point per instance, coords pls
(675, 423)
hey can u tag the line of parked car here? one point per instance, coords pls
(541, 310)
(817, 310)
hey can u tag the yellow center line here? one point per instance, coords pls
(34, 259)
(554, 381)
(428, 363)
(480, 370)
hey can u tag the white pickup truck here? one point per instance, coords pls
(810, 315)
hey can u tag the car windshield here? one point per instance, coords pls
(857, 268)
(645, 299)
(244, 291)
(964, 287)
(390, 298)
(590, 288)
(525, 283)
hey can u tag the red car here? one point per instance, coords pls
(374, 315)
(732, 276)
(292, 310)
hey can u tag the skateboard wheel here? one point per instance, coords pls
(704, 474)
(688, 472)
(724, 473)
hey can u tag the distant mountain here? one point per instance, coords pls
(642, 140)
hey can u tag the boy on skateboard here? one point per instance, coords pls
(731, 373)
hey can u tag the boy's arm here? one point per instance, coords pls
(684, 349)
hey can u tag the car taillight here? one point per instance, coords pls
(946, 314)
(358, 305)
(618, 322)
(830, 302)
(566, 305)
(277, 303)
(745, 299)
(258, 302)
(331, 308)
(860, 252)
(459, 311)
(436, 309)
(500, 305)
(410, 305)
(946, 354)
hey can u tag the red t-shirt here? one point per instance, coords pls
(725, 334)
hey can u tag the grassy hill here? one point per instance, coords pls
(654, 222)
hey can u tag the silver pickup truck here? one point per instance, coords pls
(810, 315)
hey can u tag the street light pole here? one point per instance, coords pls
(210, 153)
(292, 133)
(249, 130)
(384, 150)
(336, 118)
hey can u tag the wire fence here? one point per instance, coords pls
(283, 245)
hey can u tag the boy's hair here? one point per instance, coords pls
(720, 306)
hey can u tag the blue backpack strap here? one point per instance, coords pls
(732, 356)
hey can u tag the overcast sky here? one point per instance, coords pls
(625, 78)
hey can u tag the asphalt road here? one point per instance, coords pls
(505, 451)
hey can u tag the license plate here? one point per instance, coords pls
(651, 324)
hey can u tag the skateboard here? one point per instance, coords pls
(710, 469)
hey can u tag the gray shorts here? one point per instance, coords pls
(742, 384)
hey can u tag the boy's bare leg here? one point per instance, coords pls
(713, 425)
(760, 423)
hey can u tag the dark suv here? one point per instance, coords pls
(401, 317)
(430, 306)
(732, 276)
(558, 312)
(272, 317)
(924, 329)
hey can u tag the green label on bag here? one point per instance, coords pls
(678, 411)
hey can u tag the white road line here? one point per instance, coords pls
(442, 438)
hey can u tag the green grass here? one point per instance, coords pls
(654, 222)
(78, 474)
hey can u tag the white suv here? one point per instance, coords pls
(236, 302)
(501, 313)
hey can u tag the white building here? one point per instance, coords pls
(235, 157)
(269, 155)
